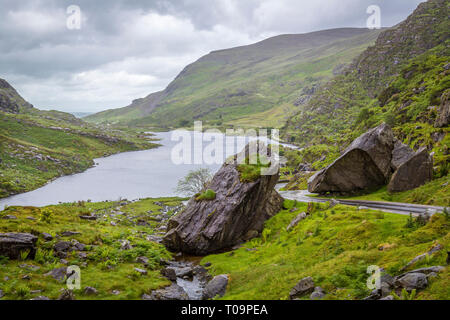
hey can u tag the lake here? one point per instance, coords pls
(129, 175)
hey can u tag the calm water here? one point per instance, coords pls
(130, 175)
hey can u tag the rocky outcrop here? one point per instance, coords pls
(443, 118)
(371, 161)
(413, 172)
(237, 213)
(303, 287)
(13, 244)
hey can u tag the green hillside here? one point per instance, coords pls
(402, 80)
(257, 85)
(37, 146)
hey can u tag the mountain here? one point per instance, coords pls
(403, 80)
(37, 146)
(253, 85)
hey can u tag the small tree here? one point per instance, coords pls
(195, 182)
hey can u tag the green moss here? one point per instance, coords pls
(207, 195)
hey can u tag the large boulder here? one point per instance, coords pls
(13, 244)
(413, 172)
(237, 213)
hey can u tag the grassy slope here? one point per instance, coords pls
(335, 247)
(401, 80)
(108, 268)
(248, 83)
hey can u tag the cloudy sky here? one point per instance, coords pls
(127, 49)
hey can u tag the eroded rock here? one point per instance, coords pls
(13, 244)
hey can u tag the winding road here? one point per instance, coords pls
(394, 207)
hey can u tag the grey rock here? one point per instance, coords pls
(433, 250)
(115, 292)
(125, 245)
(389, 297)
(413, 173)
(47, 236)
(62, 246)
(70, 233)
(170, 274)
(1, 294)
(303, 287)
(90, 291)
(318, 293)
(143, 260)
(88, 217)
(173, 292)
(9, 217)
(12, 244)
(41, 298)
(58, 273)
(296, 220)
(142, 272)
(216, 287)
(400, 154)
(66, 294)
(239, 208)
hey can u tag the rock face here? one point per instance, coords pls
(12, 244)
(443, 118)
(412, 173)
(236, 214)
(371, 161)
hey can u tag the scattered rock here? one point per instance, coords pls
(47, 236)
(318, 293)
(412, 173)
(389, 297)
(412, 281)
(62, 246)
(40, 298)
(90, 291)
(217, 286)
(170, 274)
(88, 217)
(67, 295)
(303, 287)
(70, 233)
(12, 244)
(296, 220)
(239, 207)
(173, 292)
(433, 250)
(31, 218)
(143, 260)
(26, 277)
(29, 267)
(1, 294)
(125, 245)
(115, 292)
(58, 273)
(142, 272)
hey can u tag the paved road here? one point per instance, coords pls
(394, 207)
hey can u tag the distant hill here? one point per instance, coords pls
(254, 85)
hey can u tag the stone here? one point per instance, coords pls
(173, 292)
(47, 236)
(389, 297)
(143, 260)
(239, 210)
(216, 287)
(85, 217)
(9, 217)
(29, 267)
(318, 293)
(13, 244)
(40, 298)
(142, 272)
(354, 171)
(303, 287)
(413, 173)
(62, 246)
(412, 281)
(433, 250)
(58, 273)
(125, 245)
(1, 294)
(115, 292)
(90, 291)
(66, 294)
(296, 220)
(443, 118)
(400, 154)
(70, 233)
